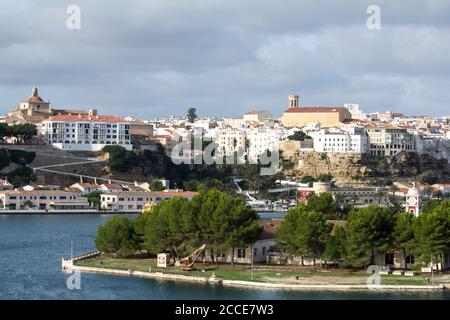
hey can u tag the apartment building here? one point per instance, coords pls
(137, 201)
(259, 140)
(345, 140)
(230, 141)
(42, 200)
(86, 132)
(390, 140)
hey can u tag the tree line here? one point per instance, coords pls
(22, 131)
(366, 232)
(179, 226)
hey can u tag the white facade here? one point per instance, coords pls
(262, 139)
(388, 141)
(257, 116)
(231, 141)
(355, 111)
(348, 140)
(86, 132)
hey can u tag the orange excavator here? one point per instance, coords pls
(187, 263)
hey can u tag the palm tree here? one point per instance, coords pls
(396, 207)
(393, 189)
(438, 194)
(380, 194)
(428, 192)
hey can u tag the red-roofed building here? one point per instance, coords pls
(300, 116)
(86, 132)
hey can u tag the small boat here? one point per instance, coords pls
(259, 205)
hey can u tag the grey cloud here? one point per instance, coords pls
(225, 57)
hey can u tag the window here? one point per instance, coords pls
(255, 251)
(389, 259)
(241, 253)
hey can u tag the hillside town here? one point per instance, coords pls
(336, 154)
(323, 133)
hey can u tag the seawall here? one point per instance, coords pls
(68, 265)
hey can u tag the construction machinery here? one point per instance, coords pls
(187, 263)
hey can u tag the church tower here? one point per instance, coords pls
(293, 101)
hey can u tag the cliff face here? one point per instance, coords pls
(343, 167)
(349, 168)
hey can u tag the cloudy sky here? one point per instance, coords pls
(150, 58)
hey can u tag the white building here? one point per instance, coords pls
(257, 116)
(355, 111)
(86, 132)
(390, 140)
(259, 140)
(137, 200)
(344, 140)
(231, 142)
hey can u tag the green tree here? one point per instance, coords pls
(116, 237)
(192, 115)
(170, 226)
(393, 189)
(299, 136)
(325, 177)
(156, 185)
(307, 179)
(335, 245)
(313, 232)
(396, 207)
(23, 132)
(403, 235)
(28, 204)
(21, 176)
(218, 218)
(429, 177)
(432, 232)
(369, 233)
(323, 203)
(120, 159)
(429, 205)
(93, 199)
(304, 233)
(287, 232)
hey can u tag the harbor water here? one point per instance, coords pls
(31, 247)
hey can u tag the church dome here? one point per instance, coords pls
(413, 192)
(34, 98)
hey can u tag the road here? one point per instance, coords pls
(91, 161)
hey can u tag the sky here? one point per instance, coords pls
(151, 58)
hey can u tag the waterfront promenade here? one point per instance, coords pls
(341, 283)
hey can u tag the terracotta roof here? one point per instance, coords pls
(85, 118)
(112, 185)
(177, 193)
(36, 192)
(315, 109)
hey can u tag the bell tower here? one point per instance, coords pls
(293, 101)
(413, 201)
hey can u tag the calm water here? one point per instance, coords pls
(31, 248)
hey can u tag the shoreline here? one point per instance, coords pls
(68, 266)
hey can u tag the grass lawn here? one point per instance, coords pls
(260, 273)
